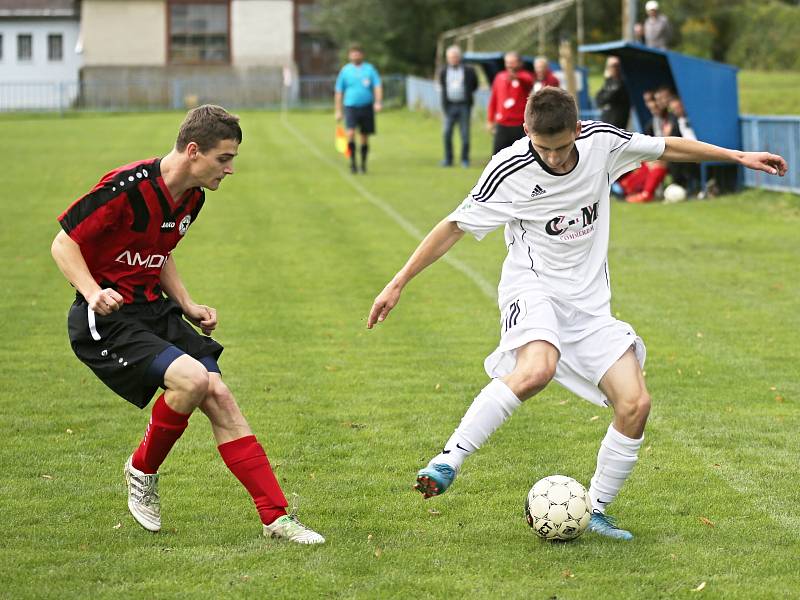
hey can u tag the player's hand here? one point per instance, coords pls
(338, 115)
(490, 127)
(378, 107)
(104, 302)
(385, 302)
(202, 316)
(764, 161)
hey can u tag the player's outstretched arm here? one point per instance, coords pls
(67, 254)
(434, 246)
(200, 315)
(679, 149)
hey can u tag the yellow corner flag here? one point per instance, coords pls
(341, 141)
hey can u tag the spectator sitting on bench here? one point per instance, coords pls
(640, 185)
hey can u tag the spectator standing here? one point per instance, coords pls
(359, 91)
(615, 106)
(506, 109)
(458, 83)
(542, 75)
(657, 28)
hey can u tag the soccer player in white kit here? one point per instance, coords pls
(550, 190)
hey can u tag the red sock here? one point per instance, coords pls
(164, 429)
(248, 462)
(654, 177)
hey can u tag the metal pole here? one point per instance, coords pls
(542, 39)
(568, 66)
(628, 19)
(439, 56)
(579, 18)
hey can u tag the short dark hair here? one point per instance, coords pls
(207, 126)
(550, 110)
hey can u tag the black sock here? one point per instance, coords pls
(351, 147)
(364, 152)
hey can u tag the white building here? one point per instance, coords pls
(180, 52)
(129, 54)
(39, 65)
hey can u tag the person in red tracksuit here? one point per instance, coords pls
(506, 110)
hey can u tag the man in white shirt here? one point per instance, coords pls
(657, 28)
(550, 190)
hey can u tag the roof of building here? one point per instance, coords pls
(39, 8)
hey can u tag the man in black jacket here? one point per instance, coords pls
(458, 82)
(612, 99)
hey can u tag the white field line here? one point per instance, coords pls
(488, 290)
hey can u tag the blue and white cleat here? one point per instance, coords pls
(607, 526)
(434, 479)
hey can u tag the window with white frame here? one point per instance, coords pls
(24, 47)
(55, 47)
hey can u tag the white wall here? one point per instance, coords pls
(133, 32)
(38, 83)
(262, 32)
(39, 68)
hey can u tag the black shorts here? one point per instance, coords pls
(121, 347)
(505, 135)
(361, 117)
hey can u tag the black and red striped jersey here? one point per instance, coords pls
(127, 225)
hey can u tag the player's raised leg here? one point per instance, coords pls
(625, 388)
(536, 365)
(246, 459)
(186, 383)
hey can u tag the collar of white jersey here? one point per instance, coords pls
(547, 169)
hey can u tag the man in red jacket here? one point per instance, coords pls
(542, 75)
(506, 110)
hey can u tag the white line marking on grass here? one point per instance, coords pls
(488, 290)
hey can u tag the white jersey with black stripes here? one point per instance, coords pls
(556, 225)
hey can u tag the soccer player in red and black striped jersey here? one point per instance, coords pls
(129, 319)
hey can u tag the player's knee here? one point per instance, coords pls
(195, 383)
(635, 409)
(643, 406)
(535, 378)
(221, 396)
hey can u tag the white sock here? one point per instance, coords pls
(615, 461)
(488, 411)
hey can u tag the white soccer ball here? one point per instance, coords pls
(558, 508)
(674, 193)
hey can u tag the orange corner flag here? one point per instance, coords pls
(341, 141)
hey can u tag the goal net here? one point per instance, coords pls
(527, 31)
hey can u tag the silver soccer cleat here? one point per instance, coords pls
(143, 500)
(289, 527)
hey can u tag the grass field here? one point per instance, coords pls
(292, 251)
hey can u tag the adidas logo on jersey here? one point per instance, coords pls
(538, 191)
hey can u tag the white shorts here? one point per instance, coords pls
(589, 345)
